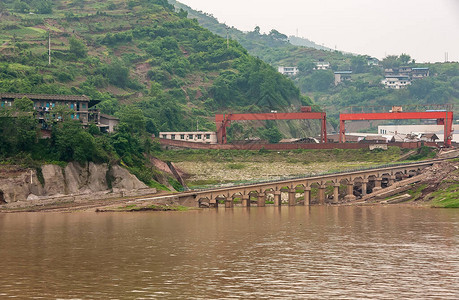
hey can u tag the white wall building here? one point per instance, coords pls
(418, 129)
(322, 65)
(396, 82)
(206, 137)
(290, 71)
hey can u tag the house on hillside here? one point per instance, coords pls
(322, 65)
(341, 76)
(397, 78)
(47, 108)
(372, 61)
(420, 73)
(396, 82)
(108, 123)
(289, 71)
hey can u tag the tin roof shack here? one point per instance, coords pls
(420, 73)
(306, 140)
(341, 76)
(334, 138)
(428, 137)
(374, 139)
(108, 123)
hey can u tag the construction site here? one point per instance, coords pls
(435, 127)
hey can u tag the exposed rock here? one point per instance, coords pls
(76, 177)
(18, 184)
(54, 179)
(124, 180)
(97, 180)
(32, 197)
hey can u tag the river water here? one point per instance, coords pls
(266, 253)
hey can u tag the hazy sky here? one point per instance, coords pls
(424, 29)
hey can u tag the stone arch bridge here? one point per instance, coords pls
(320, 189)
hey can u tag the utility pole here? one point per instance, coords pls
(49, 47)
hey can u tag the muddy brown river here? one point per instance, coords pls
(263, 253)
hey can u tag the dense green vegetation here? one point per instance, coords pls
(135, 53)
(129, 146)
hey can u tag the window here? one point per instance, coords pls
(199, 136)
(182, 136)
(83, 105)
(164, 136)
(207, 136)
(190, 136)
(172, 136)
(71, 105)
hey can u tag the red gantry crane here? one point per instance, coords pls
(443, 118)
(223, 121)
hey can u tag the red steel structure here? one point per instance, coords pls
(443, 118)
(223, 121)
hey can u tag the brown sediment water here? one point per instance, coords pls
(268, 252)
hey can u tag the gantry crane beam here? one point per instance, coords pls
(223, 120)
(443, 118)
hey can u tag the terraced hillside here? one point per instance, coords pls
(140, 53)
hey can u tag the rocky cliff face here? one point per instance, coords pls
(23, 184)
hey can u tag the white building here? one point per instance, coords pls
(290, 71)
(418, 129)
(206, 137)
(322, 65)
(396, 82)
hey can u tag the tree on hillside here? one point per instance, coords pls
(17, 127)
(271, 133)
(390, 62)
(43, 6)
(23, 105)
(277, 35)
(77, 48)
(404, 59)
(306, 66)
(321, 80)
(358, 64)
(133, 117)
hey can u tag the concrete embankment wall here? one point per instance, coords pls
(259, 146)
(72, 180)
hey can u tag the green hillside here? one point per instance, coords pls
(365, 88)
(139, 53)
